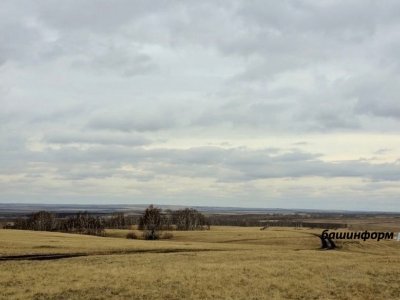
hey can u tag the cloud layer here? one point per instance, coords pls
(245, 103)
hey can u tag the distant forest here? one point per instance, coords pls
(155, 219)
(86, 223)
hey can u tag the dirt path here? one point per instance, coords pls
(52, 256)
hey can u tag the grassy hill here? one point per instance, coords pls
(223, 263)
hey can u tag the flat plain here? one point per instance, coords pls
(222, 263)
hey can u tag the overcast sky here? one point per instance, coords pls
(290, 104)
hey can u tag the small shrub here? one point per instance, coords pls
(167, 236)
(131, 235)
(151, 235)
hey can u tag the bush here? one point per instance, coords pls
(151, 235)
(167, 236)
(131, 235)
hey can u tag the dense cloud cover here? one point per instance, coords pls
(240, 103)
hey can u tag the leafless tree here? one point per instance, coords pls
(151, 223)
(189, 219)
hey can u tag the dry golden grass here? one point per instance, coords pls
(240, 263)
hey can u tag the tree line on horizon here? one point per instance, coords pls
(82, 223)
(150, 222)
(153, 221)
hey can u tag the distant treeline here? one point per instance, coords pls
(182, 219)
(153, 221)
(86, 223)
(273, 220)
(303, 224)
(244, 220)
(82, 223)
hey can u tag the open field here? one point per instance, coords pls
(223, 263)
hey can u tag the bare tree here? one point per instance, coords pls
(82, 223)
(41, 221)
(151, 223)
(117, 220)
(189, 219)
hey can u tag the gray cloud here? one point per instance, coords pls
(134, 91)
(111, 60)
(377, 97)
(134, 121)
(96, 138)
(221, 164)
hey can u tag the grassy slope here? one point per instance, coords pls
(253, 264)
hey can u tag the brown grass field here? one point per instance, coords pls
(223, 263)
